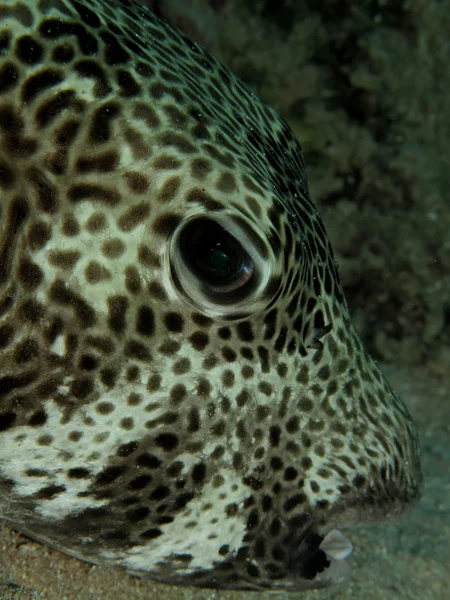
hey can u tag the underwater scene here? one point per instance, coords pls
(224, 299)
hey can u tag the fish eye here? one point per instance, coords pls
(220, 264)
(215, 257)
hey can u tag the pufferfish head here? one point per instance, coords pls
(182, 392)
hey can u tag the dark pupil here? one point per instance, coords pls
(214, 255)
(219, 261)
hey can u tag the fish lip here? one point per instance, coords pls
(336, 545)
(338, 550)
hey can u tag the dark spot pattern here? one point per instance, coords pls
(149, 404)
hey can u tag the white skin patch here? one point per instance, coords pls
(202, 543)
(20, 452)
(85, 91)
(59, 345)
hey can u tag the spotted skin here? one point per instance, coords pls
(146, 420)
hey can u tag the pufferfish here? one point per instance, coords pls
(182, 393)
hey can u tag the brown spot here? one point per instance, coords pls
(117, 308)
(243, 397)
(305, 404)
(178, 119)
(139, 149)
(169, 347)
(169, 190)
(228, 378)
(17, 215)
(70, 226)
(40, 82)
(166, 223)
(178, 141)
(97, 222)
(145, 321)
(201, 197)
(81, 388)
(38, 235)
(6, 335)
(103, 344)
(137, 350)
(147, 257)
(102, 120)
(26, 351)
(224, 158)
(63, 259)
(157, 291)
(253, 205)
(199, 340)
(154, 382)
(166, 162)
(128, 85)
(105, 408)
(7, 176)
(47, 199)
(113, 248)
(132, 279)
(200, 168)
(178, 393)
(137, 182)
(30, 275)
(49, 492)
(80, 192)
(134, 216)
(173, 322)
(9, 77)
(226, 183)
(96, 272)
(229, 354)
(100, 163)
(31, 311)
(182, 366)
(145, 113)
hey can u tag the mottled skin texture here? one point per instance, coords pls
(203, 434)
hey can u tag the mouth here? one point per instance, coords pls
(337, 549)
